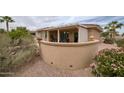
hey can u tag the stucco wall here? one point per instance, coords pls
(38, 34)
(41, 35)
(68, 55)
(82, 35)
(95, 33)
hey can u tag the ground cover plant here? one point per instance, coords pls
(120, 43)
(109, 62)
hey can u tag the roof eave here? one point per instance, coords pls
(69, 26)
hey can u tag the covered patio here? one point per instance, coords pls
(62, 35)
(72, 34)
(58, 45)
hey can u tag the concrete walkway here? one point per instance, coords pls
(38, 68)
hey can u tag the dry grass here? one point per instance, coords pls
(12, 57)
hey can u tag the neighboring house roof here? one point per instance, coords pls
(72, 25)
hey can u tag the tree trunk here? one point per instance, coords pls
(7, 26)
(110, 34)
(114, 34)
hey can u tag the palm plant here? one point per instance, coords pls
(1, 20)
(112, 27)
(7, 20)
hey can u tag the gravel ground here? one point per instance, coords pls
(38, 68)
(103, 46)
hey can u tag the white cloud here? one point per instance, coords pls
(35, 22)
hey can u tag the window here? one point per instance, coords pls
(76, 37)
(53, 36)
(64, 36)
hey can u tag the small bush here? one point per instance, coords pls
(108, 41)
(105, 34)
(2, 30)
(20, 36)
(120, 43)
(17, 34)
(109, 62)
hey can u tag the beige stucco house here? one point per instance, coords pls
(70, 46)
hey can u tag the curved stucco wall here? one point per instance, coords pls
(68, 55)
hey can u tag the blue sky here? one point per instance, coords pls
(36, 22)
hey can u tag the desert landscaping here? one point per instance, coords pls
(21, 55)
(40, 68)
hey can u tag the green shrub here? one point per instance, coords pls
(2, 30)
(20, 36)
(105, 34)
(120, 43)
(109, 41)
(109, 62)
(17, 34)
